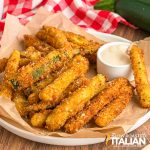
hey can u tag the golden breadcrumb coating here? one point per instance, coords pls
(111, 91)
(140, 75)
(114, 108)
(74, 103)
(12, 65)
(10, 72)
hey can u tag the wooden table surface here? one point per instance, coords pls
(10, 141)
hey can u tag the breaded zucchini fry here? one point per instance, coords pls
(78, 83)
(38, 119)
(74, 103)
(10, 71)
(112, 90)
(52, 36)
(3, 63)
(53, 91)
(113, 109)
(12, 66)
(140, 75)
(41, 46)
(27, 75)
(20, 102)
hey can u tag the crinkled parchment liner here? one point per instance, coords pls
(11, 40)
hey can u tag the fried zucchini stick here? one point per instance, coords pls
(20, 102)
(10, 71)
(78, 83)
(140, 75)
(3, 63)
(74, 103)
(12, 66)
(53, 91)
(27, 75)
(111, 91)
(38, 119)
(52, 36)
(41, 46)
(113, 109)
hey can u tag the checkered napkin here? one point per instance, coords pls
(80, 12)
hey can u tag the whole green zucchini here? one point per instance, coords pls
(135, 11)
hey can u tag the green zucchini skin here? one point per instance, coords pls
(136, 12)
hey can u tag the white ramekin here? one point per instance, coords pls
(113, 71)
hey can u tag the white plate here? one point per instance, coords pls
(72, 141)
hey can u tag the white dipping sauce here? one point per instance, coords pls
(116, 55)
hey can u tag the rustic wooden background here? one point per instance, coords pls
(10, 141)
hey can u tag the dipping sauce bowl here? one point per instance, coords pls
(113, 60)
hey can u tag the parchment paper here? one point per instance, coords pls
(12, 36)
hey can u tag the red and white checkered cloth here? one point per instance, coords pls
(79, 12)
